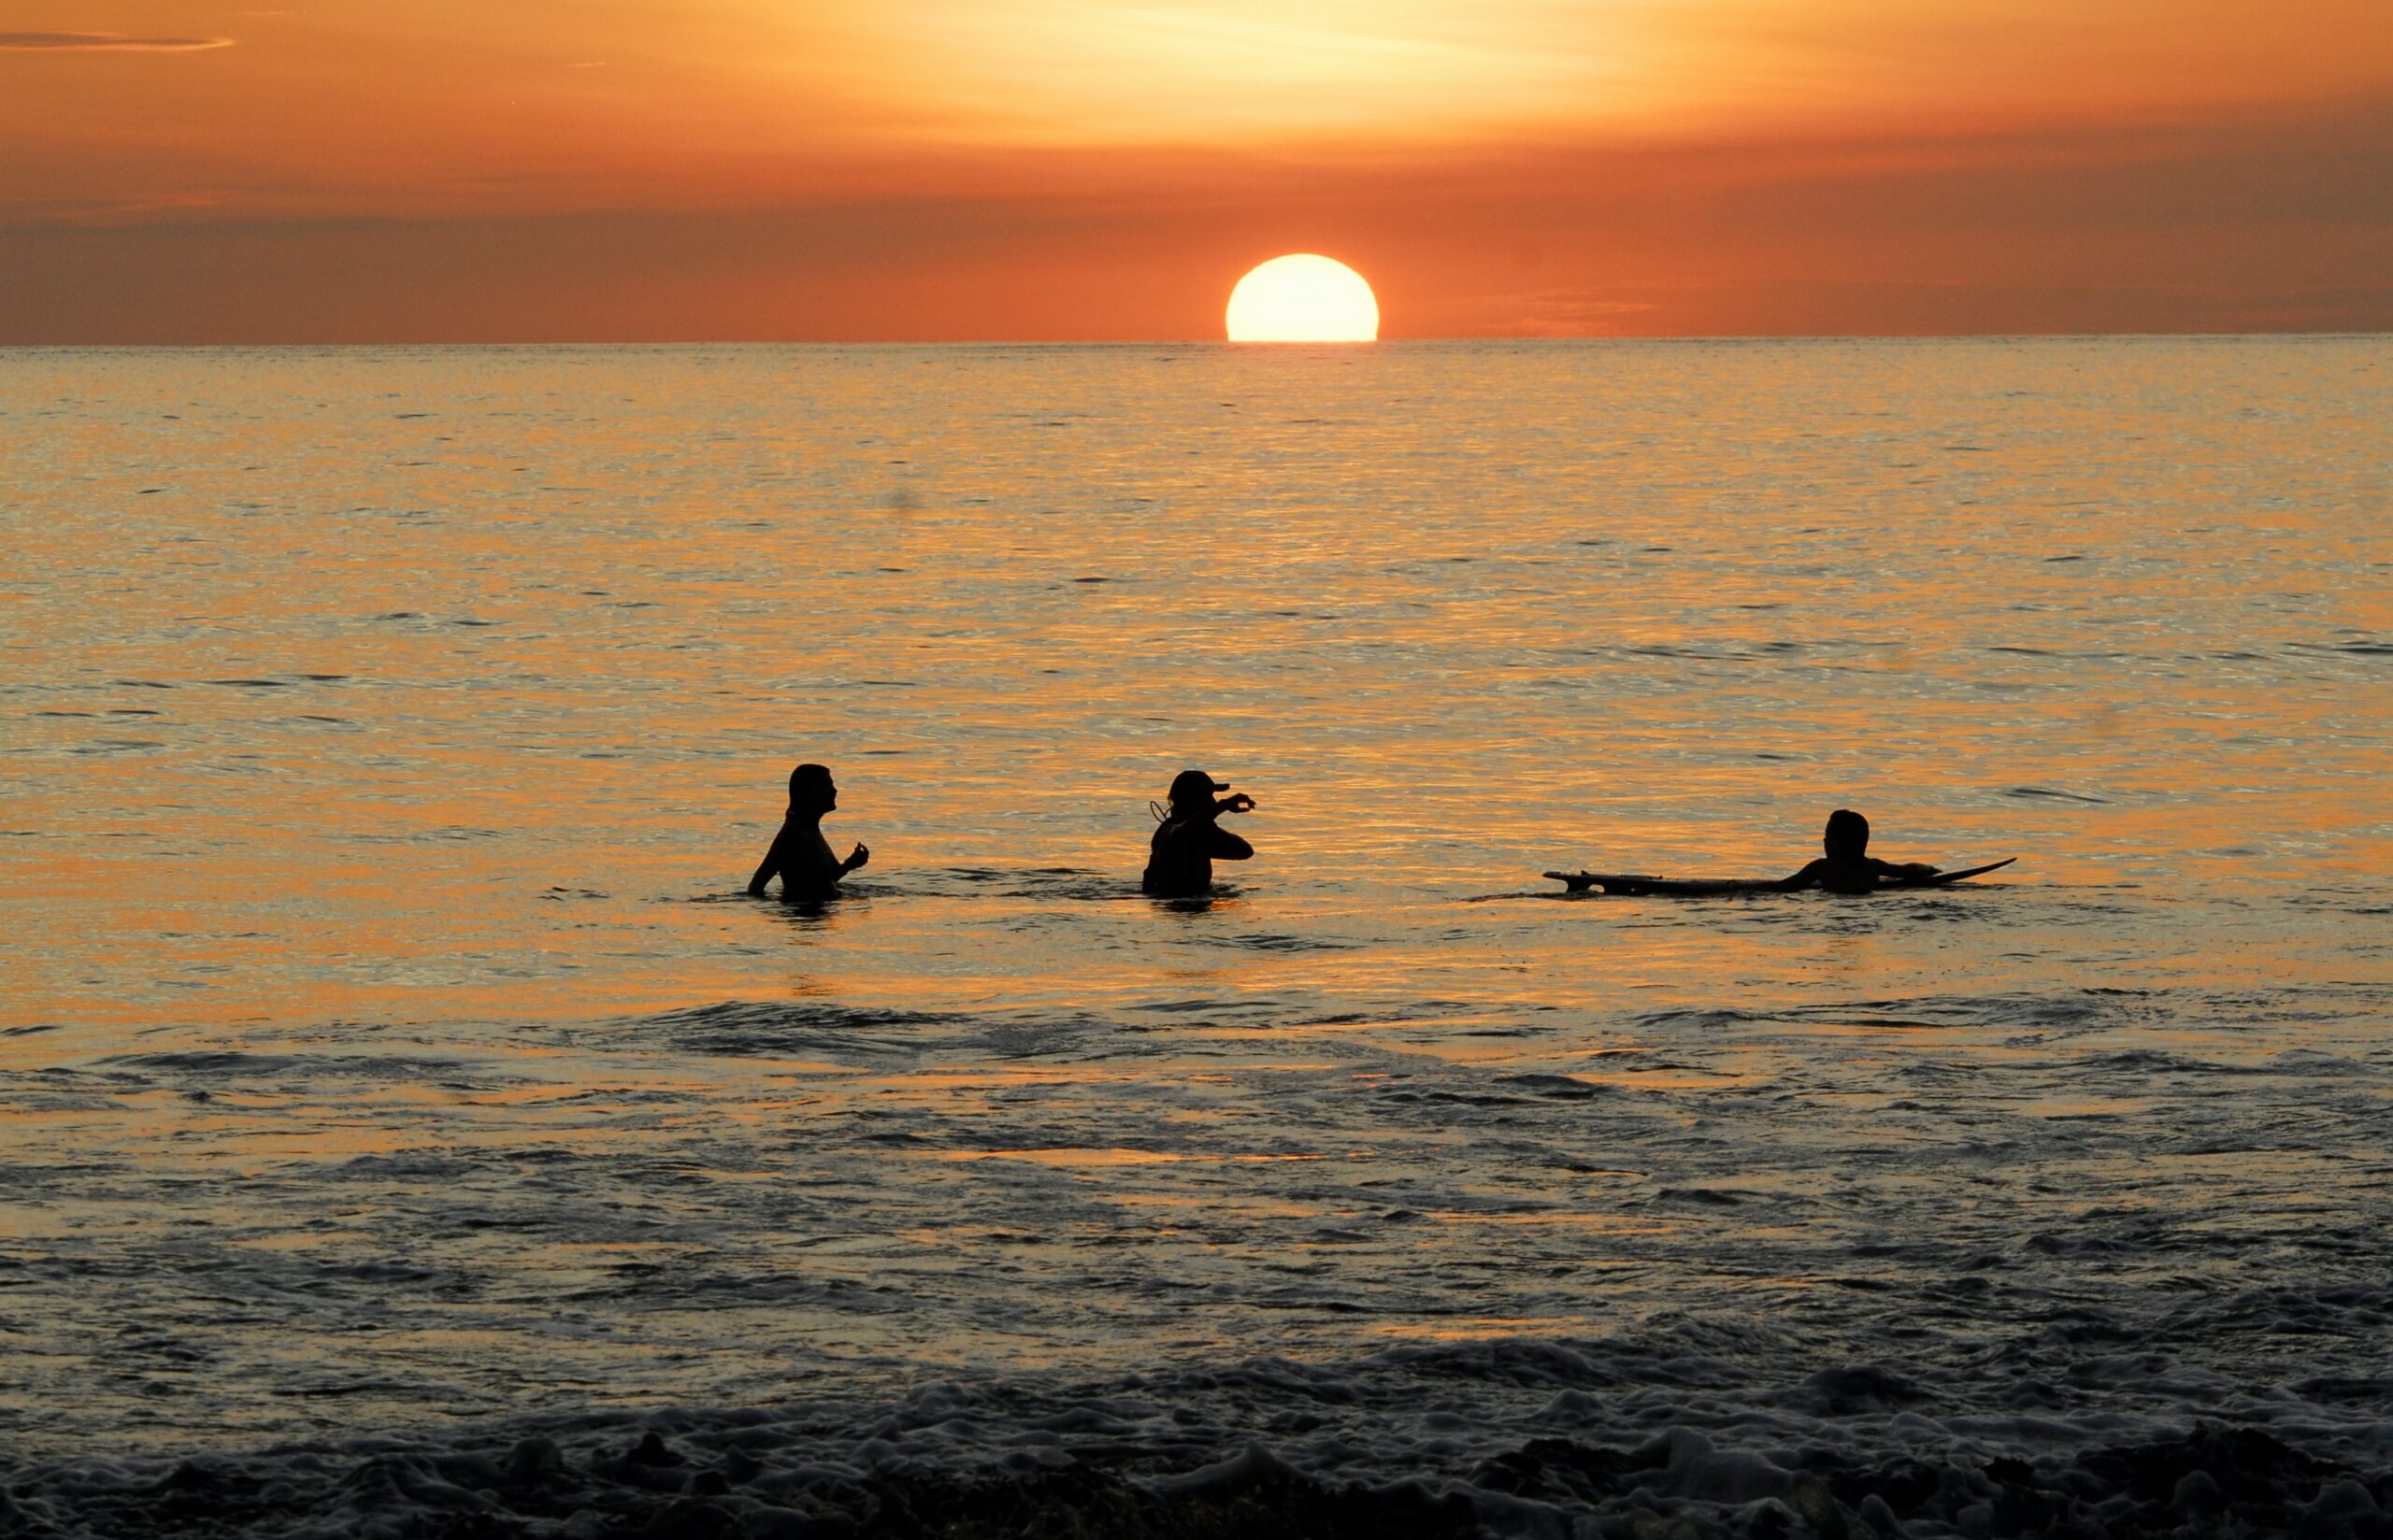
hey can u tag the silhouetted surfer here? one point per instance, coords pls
(1848, 867)
(1190, 838)
(800, 856)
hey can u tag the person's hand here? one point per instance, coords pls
(1237, 802)
(1918, 870)
(856, 858)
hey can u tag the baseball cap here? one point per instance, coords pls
(1189, 785)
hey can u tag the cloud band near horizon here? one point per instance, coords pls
(104, 42)
(2252, 222)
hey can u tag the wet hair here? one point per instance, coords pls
(1848, 833)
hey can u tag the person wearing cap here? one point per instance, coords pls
(802, 857)
(1189, 837)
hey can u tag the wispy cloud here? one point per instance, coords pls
(102, 42)
(105, 213)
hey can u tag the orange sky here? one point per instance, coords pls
(918, 170)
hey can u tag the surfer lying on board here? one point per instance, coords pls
(800, 854)
(1848, 867)
(1189, 837)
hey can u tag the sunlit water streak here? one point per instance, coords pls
(389, 734)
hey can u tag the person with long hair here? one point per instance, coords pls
(800, 856)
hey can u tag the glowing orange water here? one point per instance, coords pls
(373, 782)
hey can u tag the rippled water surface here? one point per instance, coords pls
(389, 734)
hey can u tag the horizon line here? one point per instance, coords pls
(2290, 333)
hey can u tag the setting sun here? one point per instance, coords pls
(1303, 298)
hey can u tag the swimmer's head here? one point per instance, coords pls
(1195, 788)
(1848, 834)
(810, 789)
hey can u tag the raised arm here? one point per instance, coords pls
(1218, 842)
(1224, 845)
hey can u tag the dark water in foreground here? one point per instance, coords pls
(401, 1115)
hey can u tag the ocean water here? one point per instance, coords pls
(407, 1120)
